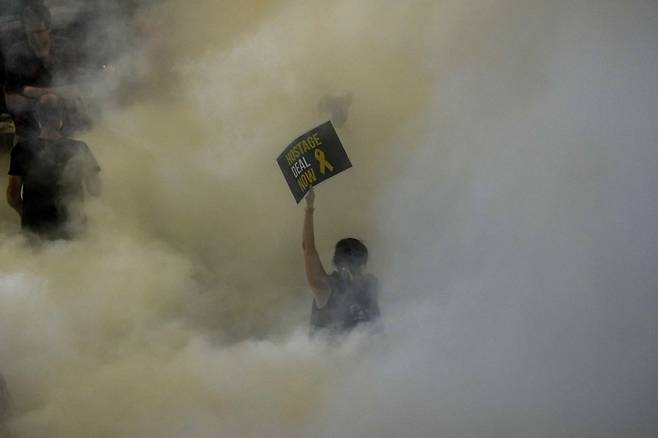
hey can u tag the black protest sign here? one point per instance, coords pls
(312, 158)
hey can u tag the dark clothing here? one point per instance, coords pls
(24, 68)
(351, 302)
(3, 82)
(53, 172)
(7, 132)
(7, 125)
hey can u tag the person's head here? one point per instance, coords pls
(350, 254)
(50, 113)
(36, 24)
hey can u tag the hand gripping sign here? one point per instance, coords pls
(312, 158)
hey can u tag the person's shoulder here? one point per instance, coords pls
(73, 143)
(80, 149)
(17, 148)
(76, 142)
(20, 152)
(84, 147)
(75, 147)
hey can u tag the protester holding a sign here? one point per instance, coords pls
(345, 298)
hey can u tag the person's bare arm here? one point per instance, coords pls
(315, 273)
(64, 91)
(34, 92)
(29, 96)
(14, 193)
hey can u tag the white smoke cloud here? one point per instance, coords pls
(504, 180)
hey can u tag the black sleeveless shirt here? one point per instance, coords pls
(52, 173)
(351, 302)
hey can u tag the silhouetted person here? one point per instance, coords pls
(52, 172)
(7, 126)
(347, 297)
(3, 83)
(40, 65)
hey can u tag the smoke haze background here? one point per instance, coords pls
(505, 180)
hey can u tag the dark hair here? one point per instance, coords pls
(49, 110)
(36, 11)
(350, 252)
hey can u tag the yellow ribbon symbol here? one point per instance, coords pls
(322, 160)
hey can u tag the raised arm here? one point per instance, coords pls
(315, 273)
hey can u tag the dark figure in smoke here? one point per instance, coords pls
(345, 298)
(7, 127)
(3, 82)
(51, 171)
(42, 64)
